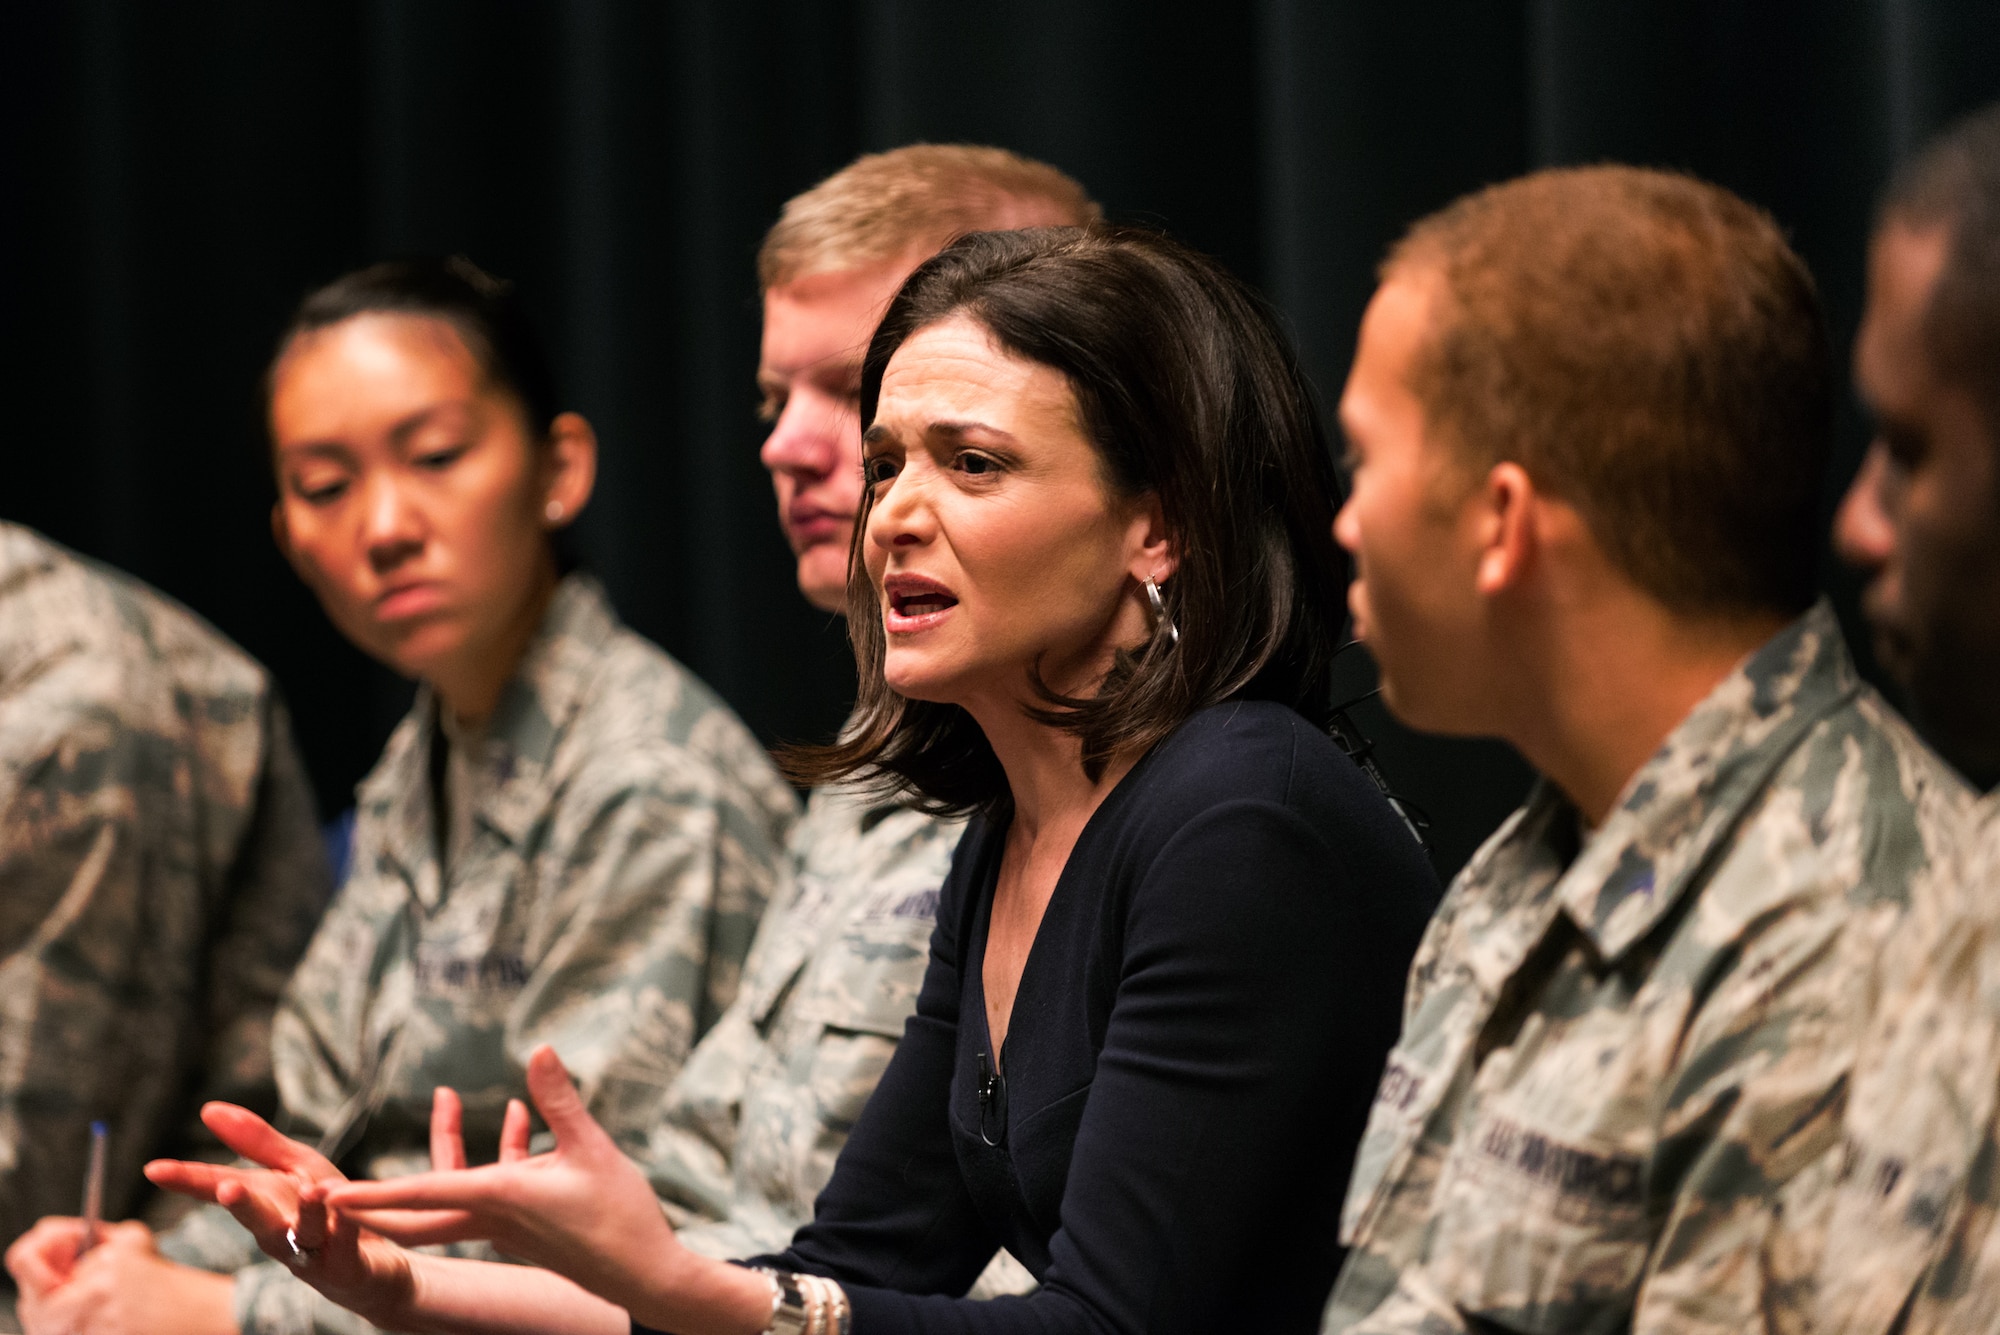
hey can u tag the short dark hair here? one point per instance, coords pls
(1187, 390)
(484, 310)
(1651, 350)
(1955, 184)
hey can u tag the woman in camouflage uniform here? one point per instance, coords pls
(568, 841)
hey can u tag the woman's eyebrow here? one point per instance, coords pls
(956, 429)
(950, 429)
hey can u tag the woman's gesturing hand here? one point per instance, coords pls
(583, 1210)
(448, 1133)
(284, 1206)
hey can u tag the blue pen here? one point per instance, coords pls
(93, 1190)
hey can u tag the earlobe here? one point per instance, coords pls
(573, 468)
(1159, 554)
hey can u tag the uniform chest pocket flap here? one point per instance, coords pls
(1537, 1224)
(858, 997)
(868, 982)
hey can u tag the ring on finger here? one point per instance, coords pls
(301, 1257)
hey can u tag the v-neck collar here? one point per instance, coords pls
(987, 878)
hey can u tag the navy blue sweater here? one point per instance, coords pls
(1191, 1056)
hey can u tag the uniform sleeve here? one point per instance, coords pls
(1250, 1021)
(640, 948)
(72, 862)
(154, 904)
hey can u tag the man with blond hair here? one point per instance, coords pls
(1588, 415)
(828, 268)
(763, 1106)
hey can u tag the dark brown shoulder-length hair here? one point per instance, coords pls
(1188, 390)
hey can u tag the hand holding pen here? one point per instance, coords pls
(84, 1273)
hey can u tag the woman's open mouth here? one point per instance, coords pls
(912, 603)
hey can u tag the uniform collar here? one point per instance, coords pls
(556, 674)
(1683, 803)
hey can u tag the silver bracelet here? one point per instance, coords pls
(795, 1308)
(831, 1304)
(839, 1319)
(815, 1289)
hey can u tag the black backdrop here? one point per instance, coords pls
(176, 176)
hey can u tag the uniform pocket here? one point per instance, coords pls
(868, 982)
(858, 994)
(1540, 1224)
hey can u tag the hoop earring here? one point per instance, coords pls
(1160, 617)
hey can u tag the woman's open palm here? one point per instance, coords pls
(582, 1210)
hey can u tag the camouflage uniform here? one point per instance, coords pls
(161, 870)
(1616, 1048)
(759, 1113)
(756, 1118)
(1898, 1230)
(626, 831)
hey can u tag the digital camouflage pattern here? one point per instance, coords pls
(757, 1116)
(759, 1113)
(162, 873)
(627, 832)
(1897, 1232)
(1615, 1051)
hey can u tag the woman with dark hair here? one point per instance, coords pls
(1091, 602)
(566, 842)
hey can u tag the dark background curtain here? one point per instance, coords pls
(177, 176)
